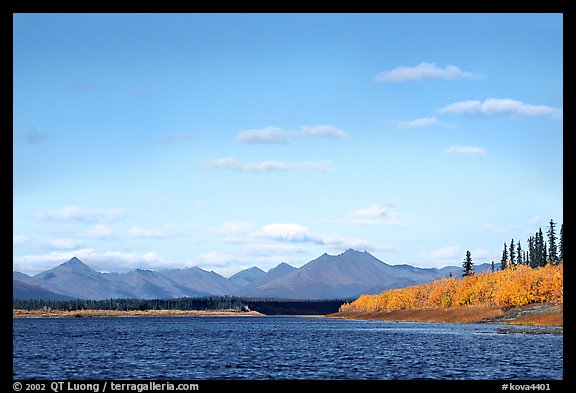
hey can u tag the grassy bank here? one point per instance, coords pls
(545, 314)
(48, 313)
(518, 295)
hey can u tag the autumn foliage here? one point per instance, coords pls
(505, 289)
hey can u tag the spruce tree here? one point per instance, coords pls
(512, 254)
(532, 252)
(468, 265)
(492, 267)
(504, 260)
(519, 258)
(540, 248)
(561, 243)
(552, 253)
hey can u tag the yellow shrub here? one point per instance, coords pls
(511, 287)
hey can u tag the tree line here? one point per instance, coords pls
(262, 305)
(184, 303)
(503, 289)
(539, 253)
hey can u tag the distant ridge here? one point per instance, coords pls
(279, 271)
(247, 276)
(22, 290)
(346, 275)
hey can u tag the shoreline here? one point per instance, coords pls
(42, 313)
(534, 316)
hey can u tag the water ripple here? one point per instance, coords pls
(276, 348)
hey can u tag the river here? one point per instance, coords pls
(255, 348)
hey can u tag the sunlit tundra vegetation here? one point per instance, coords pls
(512, 287)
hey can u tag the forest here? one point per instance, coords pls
(512, 287)
(264, 306)
(524, 277)
(185, 303)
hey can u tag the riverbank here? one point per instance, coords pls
(49, 313)
(544, 314)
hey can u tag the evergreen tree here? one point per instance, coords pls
(492, 267)
(561, 243)
(468, 265)
(552, 252)
(512, 254)
(540, 248)
(519, 258)
(504, 260)
(532, 252)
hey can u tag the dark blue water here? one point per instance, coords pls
(277, 348)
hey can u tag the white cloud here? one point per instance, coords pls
(420, 123)
(235, 228)
(265, 166)
(501, 107)
(222, 163)
(118, 261)
(214, 258)
(341, 244)
(100, 231)
(373, 211)
(162, 233)
(276, 135)
(109, 261)
(224, 263)
(64, 243)
(264, 135)
(278, 242)
(481, 255)
(289, 232)
(466, 150)
(453, 256)
(276, 249)
(324, 131)
(423, 71)
(376, 214)
(444, 253)
(33, 264)
(74, 213)
(272, 165)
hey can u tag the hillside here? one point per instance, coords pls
(347, 275)
(276, 272)
(247, 276)
(343, 276)
(22, 290)
(513, 287)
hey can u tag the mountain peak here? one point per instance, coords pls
(76, 264)
(282, 264)
(281, 268)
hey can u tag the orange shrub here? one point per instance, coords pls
(442, 292)
(512, 287)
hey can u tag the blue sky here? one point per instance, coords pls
(226, 141)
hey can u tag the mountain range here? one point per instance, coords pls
(343, 276)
